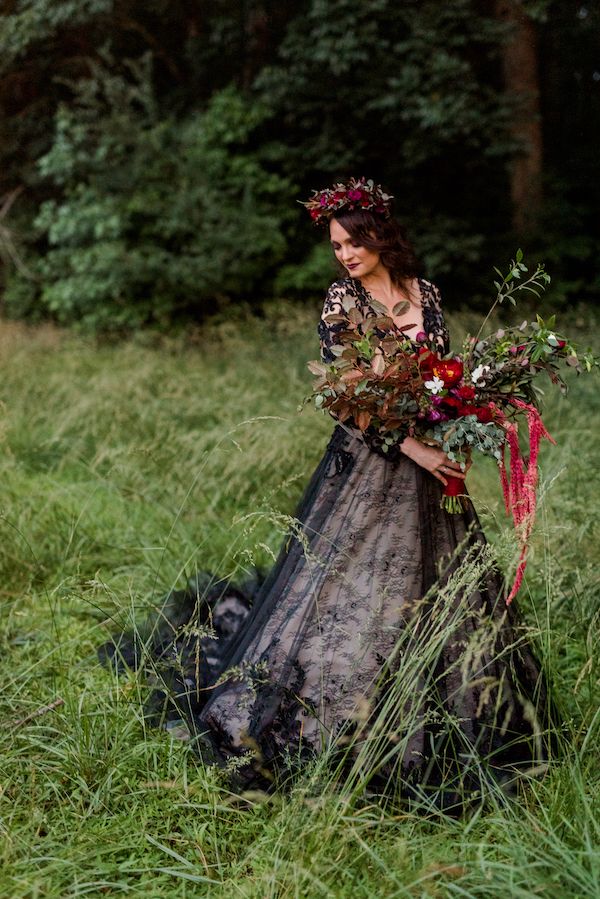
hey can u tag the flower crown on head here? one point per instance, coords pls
(356, 193)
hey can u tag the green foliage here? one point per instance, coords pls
(32, 21)
(155, 216)
(398, 92)
(318, 269)
(408, 93)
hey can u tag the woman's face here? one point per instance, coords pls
(358, 260)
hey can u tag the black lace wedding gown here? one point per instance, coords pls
(380, 636)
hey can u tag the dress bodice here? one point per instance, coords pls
(433, 317)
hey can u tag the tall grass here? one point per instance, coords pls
(123, 470)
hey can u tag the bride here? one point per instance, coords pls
(380, 639)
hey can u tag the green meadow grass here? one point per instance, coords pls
(125, 468)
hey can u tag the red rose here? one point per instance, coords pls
(427, 360)
(484, 414)
(466, 392)
(449, 370)
(451, 405)
(314, 213)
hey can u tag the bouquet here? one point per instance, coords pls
(391, 387)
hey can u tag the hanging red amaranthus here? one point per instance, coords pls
(520, 497)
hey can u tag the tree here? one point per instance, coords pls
(521, 79)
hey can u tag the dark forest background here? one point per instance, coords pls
(153, 153)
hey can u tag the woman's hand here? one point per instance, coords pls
(433, 460)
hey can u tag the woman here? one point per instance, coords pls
(380, 639)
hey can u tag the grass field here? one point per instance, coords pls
(125, 467)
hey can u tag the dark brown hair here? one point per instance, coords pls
(388, 238)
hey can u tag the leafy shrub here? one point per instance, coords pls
(153, 216)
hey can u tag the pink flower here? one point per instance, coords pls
(355, 194)
(421, 337)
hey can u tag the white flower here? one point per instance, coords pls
(435, 386)
(478, 374)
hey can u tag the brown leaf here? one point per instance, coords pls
(317, 368)
(363, 419)
(389, 344)
(382, 321)
(378, 306)
(333, 317)
(401, 307)
(355, 374)
(355, 316)
(378, 364)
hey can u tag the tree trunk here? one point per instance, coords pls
(521, 79)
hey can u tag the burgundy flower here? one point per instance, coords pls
(449, 370)
(355, 194)
(466, 392)
(482, 413)
(452, 401)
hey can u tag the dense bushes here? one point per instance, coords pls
(153, 216)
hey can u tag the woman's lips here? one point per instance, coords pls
(354, 265)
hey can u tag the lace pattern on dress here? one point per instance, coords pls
(431, 304)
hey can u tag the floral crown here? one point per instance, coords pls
(356, 193)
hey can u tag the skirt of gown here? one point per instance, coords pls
(380, 639)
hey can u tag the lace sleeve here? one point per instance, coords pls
(433, 316)
(329, 330)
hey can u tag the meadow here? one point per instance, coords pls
(124, 468)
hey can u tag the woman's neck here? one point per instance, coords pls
(379, 283)
(381, 287)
